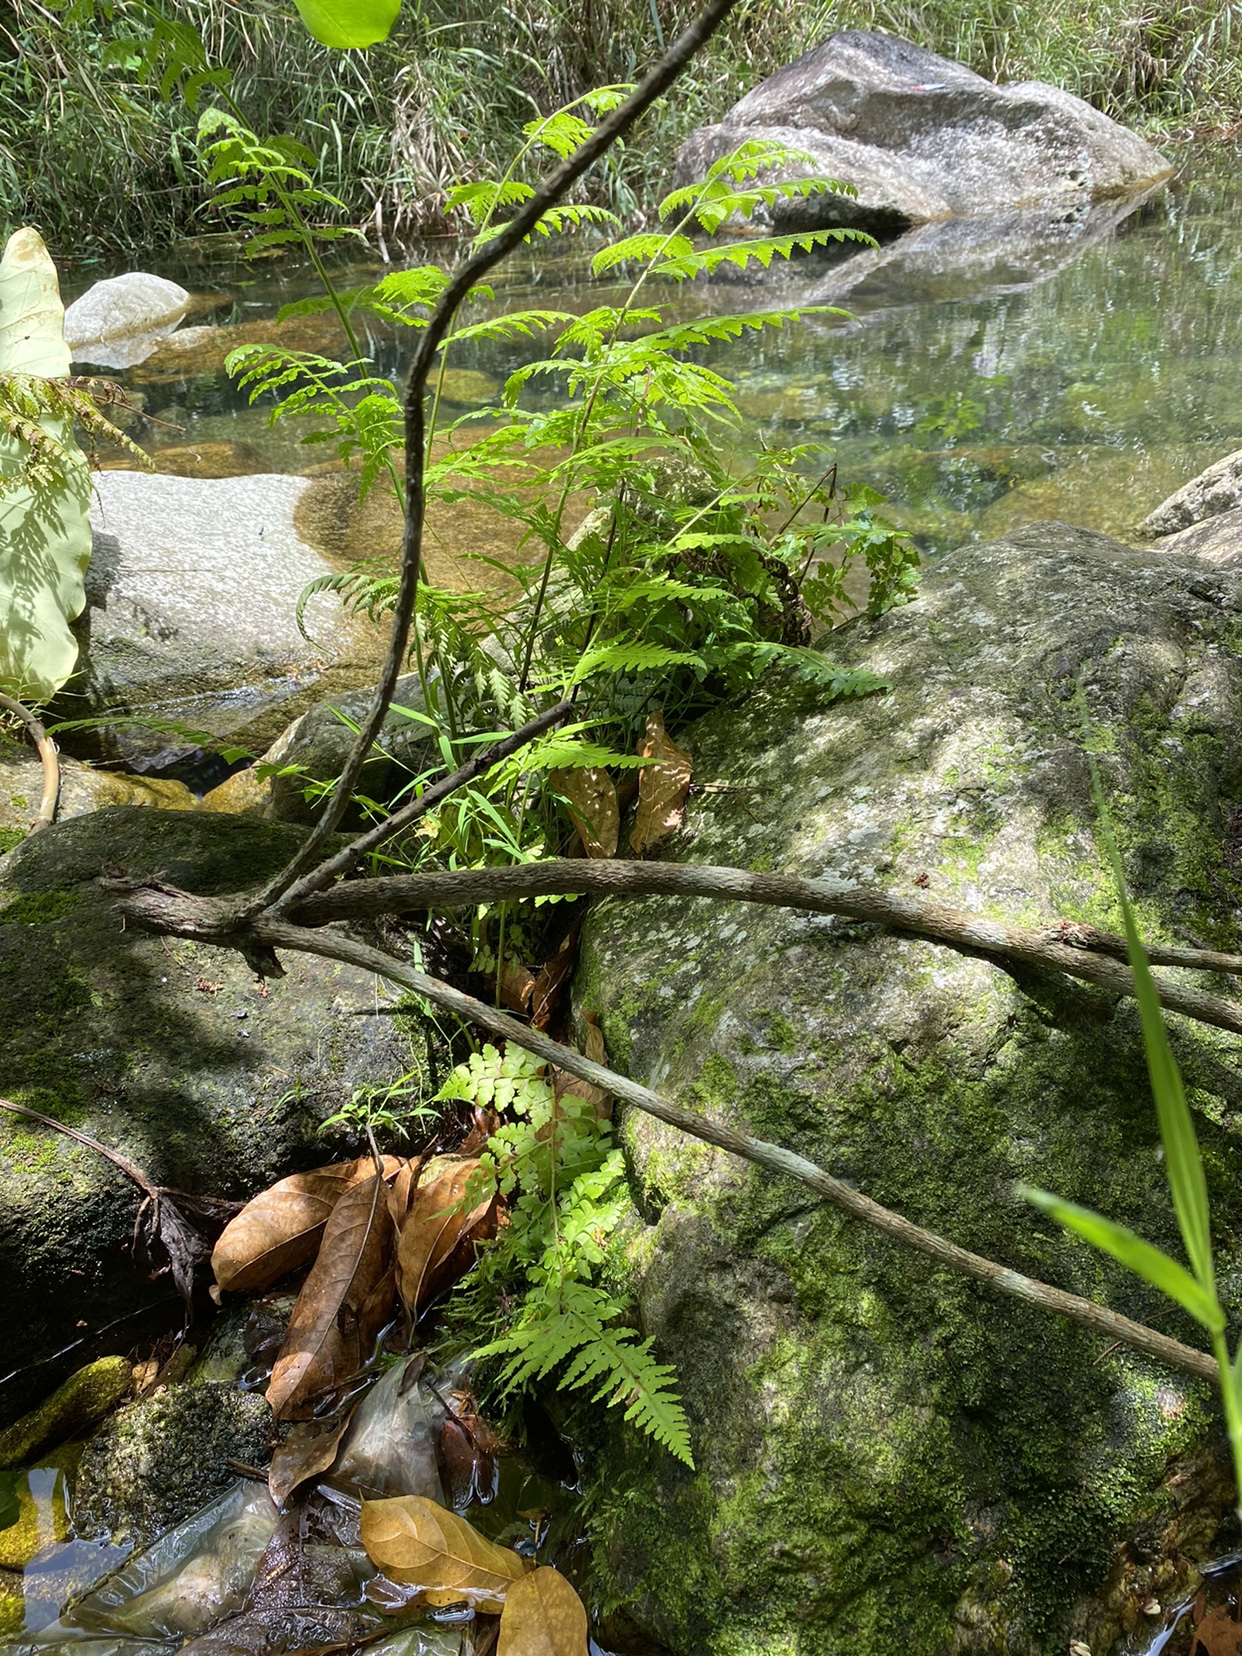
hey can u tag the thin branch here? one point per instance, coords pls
(49, 756)
(514, 233)
(278, 934)
(346, 859)
(1081, 951)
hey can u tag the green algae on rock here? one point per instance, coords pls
(890, 1458)
(164, 1050)
(162, 1458)
(83, 1399)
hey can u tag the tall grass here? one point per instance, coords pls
(100, 162)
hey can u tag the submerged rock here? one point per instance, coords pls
(82, 789)
(162, 1458)
(192, 599)
(82, 1400)
(920, 137)
(164, 1050)
(891, 1458)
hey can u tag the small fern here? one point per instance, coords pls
(554, 1162)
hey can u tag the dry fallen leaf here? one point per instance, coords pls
(517, 983)
(662, 786)
(592, 799)
(419, 1544)
(1217, 1635)
(281, 1228)
(345, 1301)
(543, 1616)
(436, 1221)
(309, 1448)
(552, 979)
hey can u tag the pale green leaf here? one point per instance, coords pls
(45, 531)
(349, 23)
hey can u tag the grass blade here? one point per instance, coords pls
(1134, 1253)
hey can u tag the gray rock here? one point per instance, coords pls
(922, 138)
(1216, 490)
(164, 1050)
(192, 597)
(120, 321)
(1217, 540)
(954, 259)
(82, 789)
(890, 1458)
(155, 1462)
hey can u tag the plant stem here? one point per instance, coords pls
(563, 177)
(1232, 1406)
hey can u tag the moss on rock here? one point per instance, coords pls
(162, 1049)
(82, 1400)
(891, 1458)
(163, 1457)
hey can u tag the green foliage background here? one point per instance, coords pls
(90, 156)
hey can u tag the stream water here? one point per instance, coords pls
(1069, 369)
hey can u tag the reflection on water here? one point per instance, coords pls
(44, 1564)
(995, 375)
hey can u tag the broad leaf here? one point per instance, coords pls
(589, 793)
(1136, 1254)
(45, 531)
(436, 1221)
(310, 1448)
(345, 1301)
(281, 1228)
(662, 786)
(543, 1616)
(346, 23)
(419, 1544)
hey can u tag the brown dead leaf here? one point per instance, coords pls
(543, 1616)
(420, 1544)
(552, 979)
(434, 1225)
(309, 1448)
(517, 983)
(563, 1082)
(1217, 1635)
(281, 1228)
(662, 787)
(592, 799)
(345, 1301)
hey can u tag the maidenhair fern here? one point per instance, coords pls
(554, 1162)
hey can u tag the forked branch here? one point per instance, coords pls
(551, 191)
(273, 933)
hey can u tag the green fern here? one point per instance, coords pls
(554, 1163)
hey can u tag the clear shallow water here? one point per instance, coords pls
(1072, 372)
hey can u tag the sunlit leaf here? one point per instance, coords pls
(349, 23)
(662, 786)
(543, 1616)
(1136, 1254)
(420, 1544)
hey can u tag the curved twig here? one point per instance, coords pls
(1064, 946)
(49, 756)
(334, 946)
(562, 178)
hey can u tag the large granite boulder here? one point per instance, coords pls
(920, 137)
(168, 1052)
(192, 597)
(890, 1458)
(118, 322)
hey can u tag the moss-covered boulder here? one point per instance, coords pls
(166, 1051)
(891, 1458)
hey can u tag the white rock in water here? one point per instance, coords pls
(131, 304)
